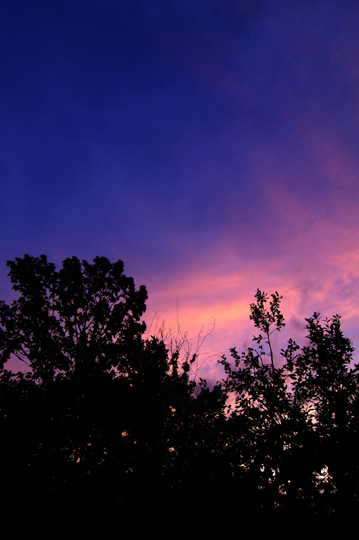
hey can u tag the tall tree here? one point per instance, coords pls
(325, 387)
(295, 419)
(105, 423)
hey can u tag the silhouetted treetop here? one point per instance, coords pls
(71, 321)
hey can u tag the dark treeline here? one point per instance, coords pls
(107, 433)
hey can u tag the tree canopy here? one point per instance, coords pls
(77, 320)
(107, 431)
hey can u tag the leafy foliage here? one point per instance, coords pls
(106, 425)
(72, 322)
(104, 420)
(298, 415)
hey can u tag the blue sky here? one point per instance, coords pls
(212, 146)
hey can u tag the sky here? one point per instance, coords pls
(211, 146)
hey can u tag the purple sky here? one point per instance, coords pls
(212, 146)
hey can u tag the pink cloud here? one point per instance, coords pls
(305, 245)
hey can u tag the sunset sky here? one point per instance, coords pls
(213, 146)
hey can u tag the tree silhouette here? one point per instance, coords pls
(107, 431)
(72, 322)
(105, 424)
(295, 421)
